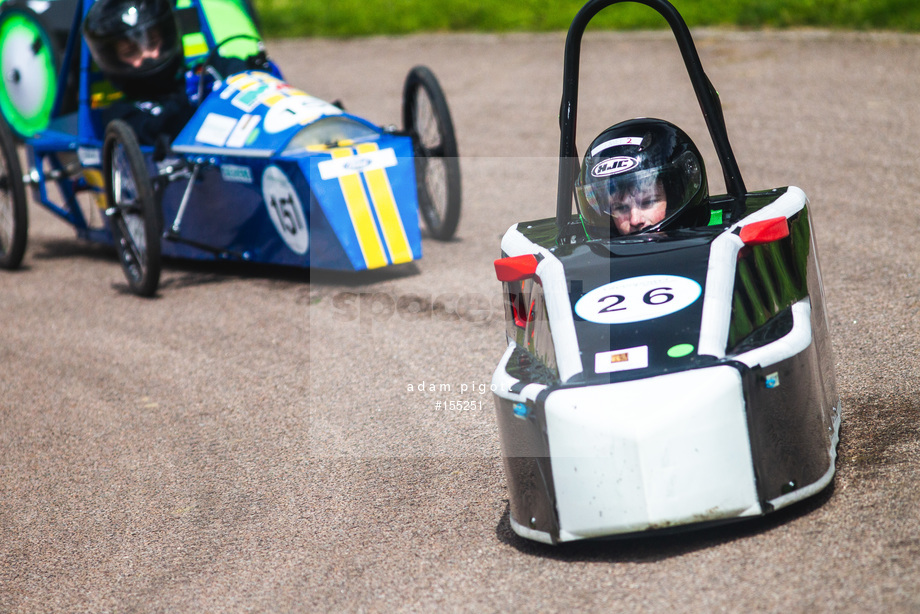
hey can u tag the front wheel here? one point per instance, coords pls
(132, 208)
(14, 220)
(427, 119)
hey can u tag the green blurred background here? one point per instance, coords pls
(343, 18)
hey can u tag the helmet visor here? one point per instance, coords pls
(135, 41)
(140, 47)
(616, 194)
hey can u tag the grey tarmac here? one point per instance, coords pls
(262, 440)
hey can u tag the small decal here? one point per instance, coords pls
(235, 173)
(285, 210)
(215, 129)
(623, 140)
(129, 17)
(89, 156)
(247, 100)
(289, 111)
(621, 360)
(772, 380)
(361, 163)
(39, 6)
(243, 129)
(614, 166)
(638, 299)
(520, 410)
(680, 350)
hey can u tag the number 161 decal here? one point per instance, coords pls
(637, 299)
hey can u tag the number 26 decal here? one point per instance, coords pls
(637, 299)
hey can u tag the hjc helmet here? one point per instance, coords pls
(649, 156)
(122, 35)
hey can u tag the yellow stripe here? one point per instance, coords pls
(359, 210)
(270, 100)
(385, 205)
(241, 80)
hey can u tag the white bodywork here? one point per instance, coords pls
(663, 451)
(650, 453)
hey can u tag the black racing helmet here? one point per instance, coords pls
(647, 166)
(134, 40)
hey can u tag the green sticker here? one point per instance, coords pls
(681, 350)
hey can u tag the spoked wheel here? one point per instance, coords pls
(426, 118)
(14, 220)
(132, 208)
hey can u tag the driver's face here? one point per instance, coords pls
(134, 52)
(635, 209)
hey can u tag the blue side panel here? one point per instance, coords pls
(220, 214)
(326, 250)
(249, 207)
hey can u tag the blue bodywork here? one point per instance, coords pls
(271, 174)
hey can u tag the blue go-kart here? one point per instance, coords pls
(263, 172)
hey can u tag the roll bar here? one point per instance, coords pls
(705, 94)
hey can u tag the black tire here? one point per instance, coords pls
(14, 212)
(426, 118)
(131, 208)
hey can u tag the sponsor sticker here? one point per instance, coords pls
(638, 299)
(235, 173)
(247, 100)
(215, 129)
(244, 127)
(621, 360)
(89, 156)
(285, 210)
(288, 111)
(351, 165)
(614, 166)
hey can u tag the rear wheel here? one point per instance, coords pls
(29, 59)
(427, 119)
(14, 220)
(132, 208)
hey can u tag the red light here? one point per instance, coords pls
(766, 231)
(516, 268)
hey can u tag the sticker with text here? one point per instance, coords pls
(621, 360)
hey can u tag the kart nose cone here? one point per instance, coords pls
(652, 453)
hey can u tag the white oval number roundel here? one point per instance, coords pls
(285, 209)
(637, 299)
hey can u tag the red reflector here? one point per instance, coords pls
(766, 231)
(516, 268)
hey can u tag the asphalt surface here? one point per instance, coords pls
(256, 440)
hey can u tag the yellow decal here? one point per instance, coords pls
(361, 218)
(272, 99)
(385, 205)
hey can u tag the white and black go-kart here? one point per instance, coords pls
(667, 379)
